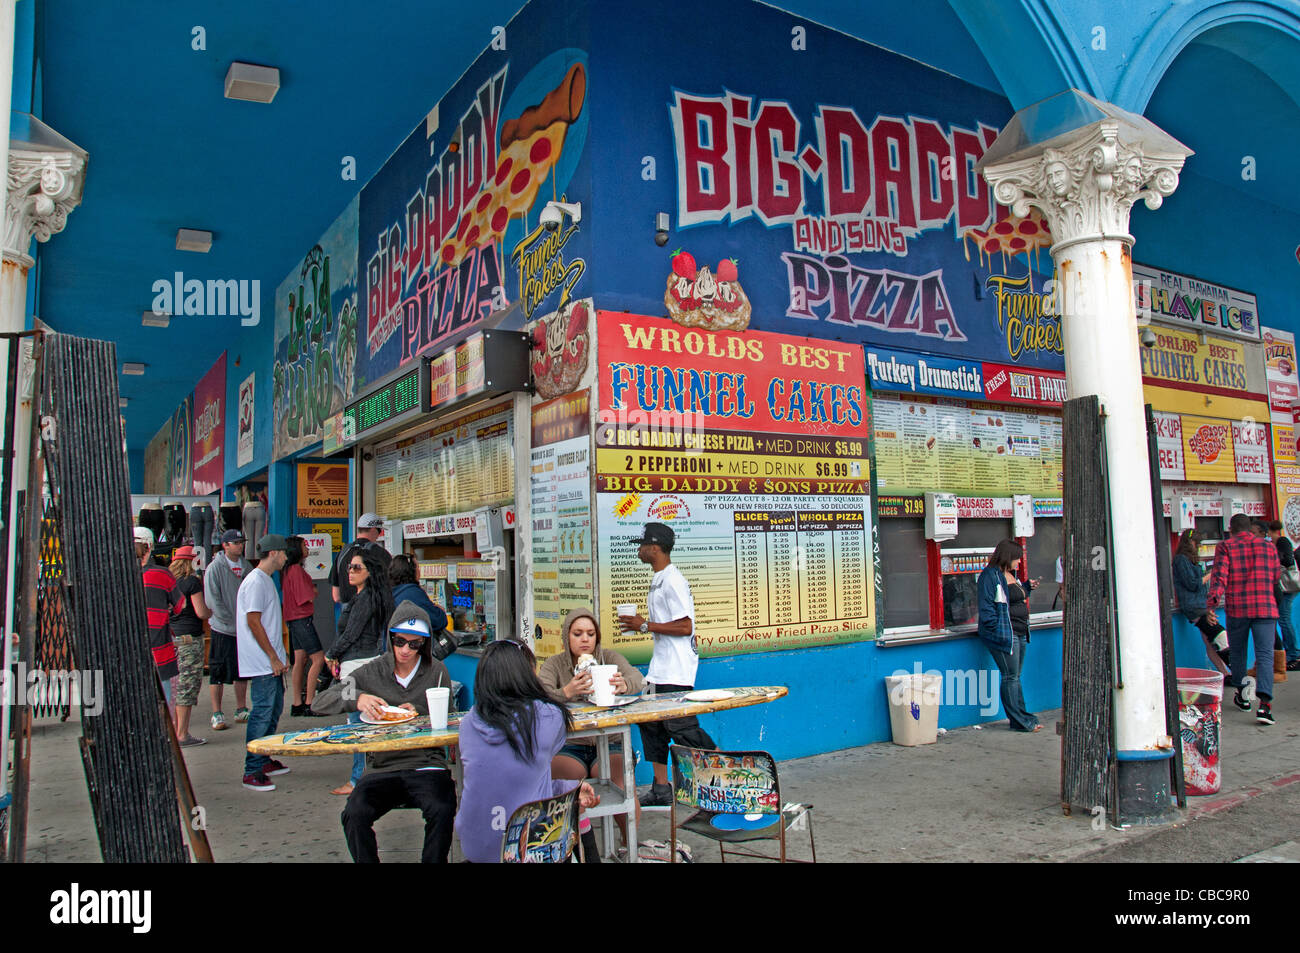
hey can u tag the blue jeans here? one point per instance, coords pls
(1013, 696)
(266, 704)
(358, 760)
(1241, 631)
(1285, 601)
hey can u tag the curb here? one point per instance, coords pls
(1245, 795)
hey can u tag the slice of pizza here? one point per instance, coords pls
(530, 147)
(1010, 235)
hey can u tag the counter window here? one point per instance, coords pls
(903, 571)
(1043, 548)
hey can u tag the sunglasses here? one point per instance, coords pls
(401, 643)
(356, 568)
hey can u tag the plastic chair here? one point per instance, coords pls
(737, 798)
(543, 832)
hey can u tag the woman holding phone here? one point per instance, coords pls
(1004, 627)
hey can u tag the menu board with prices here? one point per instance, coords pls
(561, 513)
(785, 562)
(766, 572)
(458, 464)
(929, 443)
(753, 449)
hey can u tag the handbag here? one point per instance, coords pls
(1289, 581)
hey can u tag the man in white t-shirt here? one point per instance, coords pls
(671, 611)
(261, 656)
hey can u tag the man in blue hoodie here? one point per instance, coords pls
(393, 779)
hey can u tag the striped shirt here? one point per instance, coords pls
(162, 600)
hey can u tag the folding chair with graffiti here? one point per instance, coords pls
(543, 832)
(737, 798)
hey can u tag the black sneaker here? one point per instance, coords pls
(1265, 714)
(1239, 701)
(1293, 665)
(659, 795)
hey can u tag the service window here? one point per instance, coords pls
(904, 574)
(961, 560)
(1043, 548)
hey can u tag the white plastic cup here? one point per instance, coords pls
(438, 699)
(626, 609)
(602, 692)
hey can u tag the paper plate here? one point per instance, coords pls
(709, 695)
(401, 721)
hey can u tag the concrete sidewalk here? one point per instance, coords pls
(979, 794)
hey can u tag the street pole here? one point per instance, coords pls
(1085, 182)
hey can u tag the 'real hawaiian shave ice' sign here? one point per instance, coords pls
(1170, 298)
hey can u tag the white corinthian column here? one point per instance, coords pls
(42, 187)
(1086, 187)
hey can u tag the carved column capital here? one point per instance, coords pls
(43, 187)
(1086, 187)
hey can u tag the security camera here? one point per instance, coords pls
(1148, 338)
(553, 214)
(661, 229)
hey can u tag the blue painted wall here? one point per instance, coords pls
(837, 694)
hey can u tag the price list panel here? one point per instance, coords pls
(794, 567)
(457, 465)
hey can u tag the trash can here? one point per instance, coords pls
(1200, 693)
(914, 708)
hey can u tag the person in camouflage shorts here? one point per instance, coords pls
(187, 633)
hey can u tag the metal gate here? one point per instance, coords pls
(1088, 769)
(88, 602)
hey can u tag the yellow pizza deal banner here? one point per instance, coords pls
(1207, 450)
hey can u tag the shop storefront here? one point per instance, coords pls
(1204, 376)
(436, 446)
(982, 442)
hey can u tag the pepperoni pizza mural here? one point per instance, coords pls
(450, 229)
(832, 180)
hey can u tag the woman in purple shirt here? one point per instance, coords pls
(507, 742)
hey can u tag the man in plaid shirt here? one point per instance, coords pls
(1245, 570)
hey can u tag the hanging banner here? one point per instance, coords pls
(561, 514)
(244, 440)
(158, 461)
(1286, 477)
(314, 375)
(182, 448)
(1280, 370)
(753, 448)
(210, 430)
(1167, 297)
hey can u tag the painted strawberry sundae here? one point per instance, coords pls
(698, 298)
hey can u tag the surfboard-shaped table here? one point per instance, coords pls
(360, 738)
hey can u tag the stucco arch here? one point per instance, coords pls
(1183, 23)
